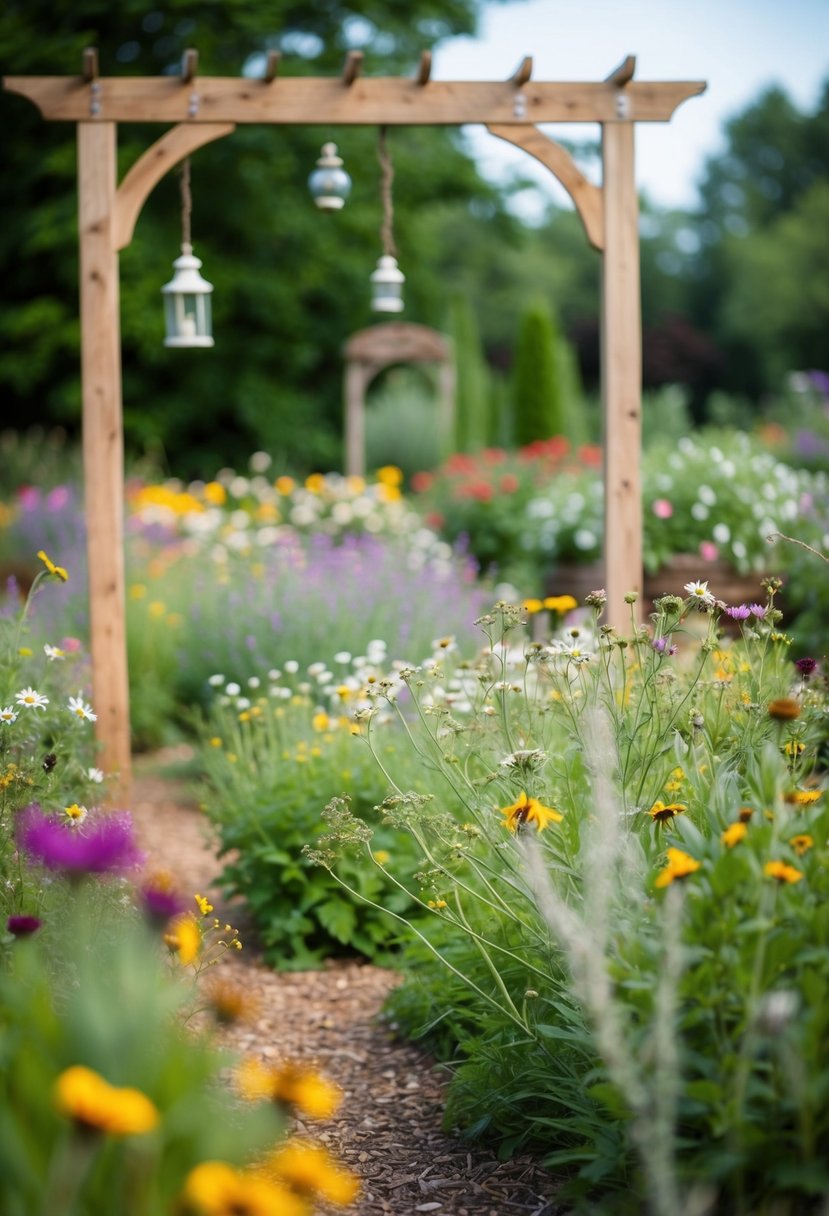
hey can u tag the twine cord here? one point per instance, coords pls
(386, 178)
(186, 204)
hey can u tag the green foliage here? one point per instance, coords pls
(538, 404)
(270, 770)
(643, 949)
(403, 424)
(471, 422)
(101, 997)
(291, 284)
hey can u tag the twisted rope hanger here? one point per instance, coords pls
(186, 206)
(386, 179)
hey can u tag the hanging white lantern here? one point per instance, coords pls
(187, 312)
(387, 285)
(329, 183)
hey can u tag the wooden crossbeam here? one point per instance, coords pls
(367, 101)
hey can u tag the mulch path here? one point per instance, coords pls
(388, 1129)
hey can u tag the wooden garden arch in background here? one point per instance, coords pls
(370, 352)
(205, 108)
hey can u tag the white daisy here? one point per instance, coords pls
(81, 710)
(53, 652)
(7, 714)
(95, 774)
(699, 591)
(31, 699)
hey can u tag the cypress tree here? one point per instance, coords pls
(537, 390)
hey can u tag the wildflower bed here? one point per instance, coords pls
(388, 1127)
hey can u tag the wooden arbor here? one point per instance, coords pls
(202, 109)
(370, 352)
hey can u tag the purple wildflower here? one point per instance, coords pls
(738, 612)
(805, 666)
(758, 610)
(105, 846)
(23, 926)
(664, 646)
(159, 899)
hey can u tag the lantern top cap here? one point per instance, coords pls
(388, 271)
(186, 278)
(329, 158)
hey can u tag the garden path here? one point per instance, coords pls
(388, 1128)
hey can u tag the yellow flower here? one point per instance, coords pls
(794, 748)
(292, 1083)
(137, 591)
(532, 606)
(320, 721)
(390, 475)
(437, 903)
(25, 652)
(662, 812)
(309, 1169)
(157, 609)
(183, 937)
(57, 571)
(75, 814)
(734, 834)
(215, 493)
(217, 1189)
(801, 843)
(215, 741)
(561, 603)
(529, 810)
(205, 907)
(87, 1098)
(802, 797)
(284, 484)
(229, 1002)
(680, 865)
(315, 483)
(381, 857)
(782, 872)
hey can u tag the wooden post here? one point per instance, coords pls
(103, 444)
(621, 340)
(356, 380)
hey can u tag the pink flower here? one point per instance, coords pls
(58, 498)
(708, 551)
(70, 645)
(662, 508)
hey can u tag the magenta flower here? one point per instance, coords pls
(23, 926)
(106, 845)
(739, 612)
(758, 610)
(159, 899)
(708, 551)
(806, 667)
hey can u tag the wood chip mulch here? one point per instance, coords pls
(388, 1129)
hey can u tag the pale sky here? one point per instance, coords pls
(738, 46)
